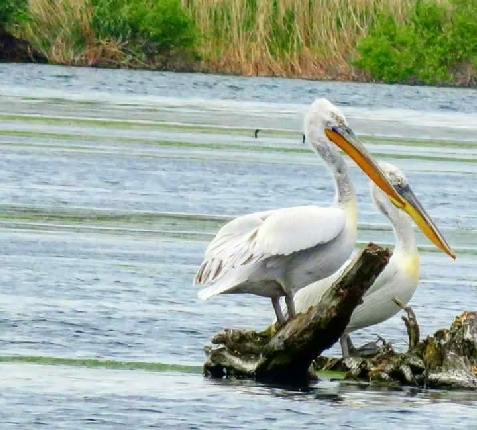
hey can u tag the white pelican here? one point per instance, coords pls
(398, 279)
(278, 252)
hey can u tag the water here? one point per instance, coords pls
(113, 182)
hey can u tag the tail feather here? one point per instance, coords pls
(224, 284)
(213, 290)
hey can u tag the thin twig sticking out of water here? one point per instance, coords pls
(258, 130)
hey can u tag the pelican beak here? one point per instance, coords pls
(415, 210)
(344, 138)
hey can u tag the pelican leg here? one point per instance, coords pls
(290, 306)
(278, 310)
(346, 345)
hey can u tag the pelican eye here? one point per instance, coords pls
(398, 184)
(399, 181)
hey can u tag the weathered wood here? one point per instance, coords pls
(286, 357)
(447, 359)
(412, 327)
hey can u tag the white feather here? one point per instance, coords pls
(398, 279)
(275, 253)
(291, 230)
(255, 237)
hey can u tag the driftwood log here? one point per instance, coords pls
(285, 357)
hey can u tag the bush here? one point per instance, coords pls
(11, 11)
(430, 46)
(163, 23)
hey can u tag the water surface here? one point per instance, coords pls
(113, 183)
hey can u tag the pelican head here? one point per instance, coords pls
(324, 122)
(412, 206)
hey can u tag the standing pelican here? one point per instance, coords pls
(398, 279)
(278, 252)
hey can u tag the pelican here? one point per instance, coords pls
(276, 253)
(398, 279)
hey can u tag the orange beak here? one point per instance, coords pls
(344, 138)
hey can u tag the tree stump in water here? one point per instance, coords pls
(447, 359)
(285, 357)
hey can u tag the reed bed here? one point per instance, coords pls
(306, 38)
(62, 31)
(316, 39)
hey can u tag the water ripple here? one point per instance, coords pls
(113, 182)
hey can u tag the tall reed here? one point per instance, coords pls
(126, 33)
(308, 38)
(302, 38)
(62, 31)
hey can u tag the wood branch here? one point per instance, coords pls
(411, 323)
(286, 357)
(447, 359)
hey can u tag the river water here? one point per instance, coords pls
(113, 182)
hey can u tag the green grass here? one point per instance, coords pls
(435, 44)
(124, 33)
(330, 374)
(319, 39)
(164, 24)
(12, 11)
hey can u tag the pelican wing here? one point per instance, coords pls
(231, 247)
(257, 236)
(294, 229)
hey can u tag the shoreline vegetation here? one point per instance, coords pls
(431, 42)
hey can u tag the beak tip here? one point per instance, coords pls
(449, 252)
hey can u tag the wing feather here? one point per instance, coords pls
(232, 246)
(294, 229)
(257, 236)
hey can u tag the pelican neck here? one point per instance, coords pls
(404, 235)
(344, 190)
